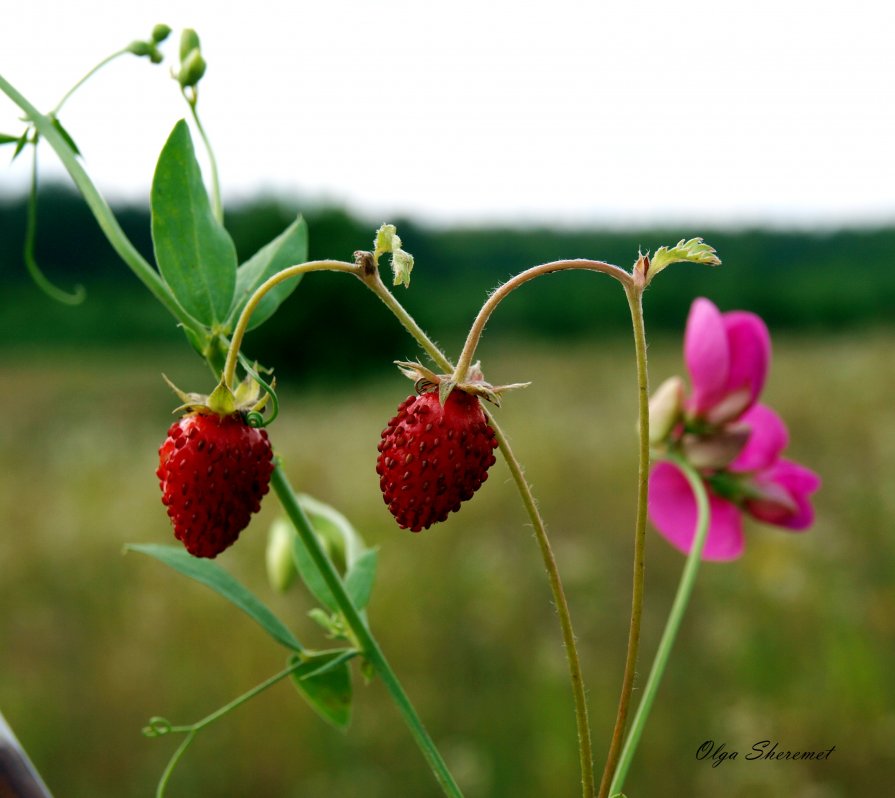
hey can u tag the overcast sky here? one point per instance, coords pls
(556, 113)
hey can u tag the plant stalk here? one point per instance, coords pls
(634, 294)
(362, 633)
(672, 625)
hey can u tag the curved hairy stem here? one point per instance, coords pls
(635, 294)
(246, 315)
(501, 293)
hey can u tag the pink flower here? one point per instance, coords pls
(733, 442)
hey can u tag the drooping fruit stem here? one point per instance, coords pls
(501, 293)
(362, 634)
(108, 59)
(634, 293)
(374, 282)
(672, 625)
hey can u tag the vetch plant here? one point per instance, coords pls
(718, 450)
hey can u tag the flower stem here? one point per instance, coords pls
(217, 206)
(362, 633)
(672, 625)
(478, 326)
(245, 316)
(83, 80)
(374, 282)
(635, 295)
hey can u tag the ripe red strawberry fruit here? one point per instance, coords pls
(213, 470)
(434, 457)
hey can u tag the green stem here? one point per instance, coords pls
(672, 625)
(634, 292)
(252, 305)
(101, 210)
(194, 728)
(362, 633)
(585, 748)
(40, 279)
(82, 81)
(217, 207)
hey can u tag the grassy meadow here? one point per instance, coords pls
(793, 643)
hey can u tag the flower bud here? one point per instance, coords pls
(189, 41)
(160, 33)
(280, 565)
(140, 48)
(665, 407)
(192, 69)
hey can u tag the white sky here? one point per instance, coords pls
(568, 113)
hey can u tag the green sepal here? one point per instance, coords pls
(5, 138)
(212, 575)
(287, 249)
(445, 387)
(324, 681)
(195, 254)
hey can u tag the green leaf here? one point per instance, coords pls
(21, 141)
(287, 249)
(360, 577)
(693, 251)
(212, 575)
(195, 254)
(343, 544)
(326, 689)
(65, 135)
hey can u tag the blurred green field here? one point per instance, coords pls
(793, 643)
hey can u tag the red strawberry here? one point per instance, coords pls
(213, 471)
(434, 457)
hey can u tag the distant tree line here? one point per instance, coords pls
(812, 281)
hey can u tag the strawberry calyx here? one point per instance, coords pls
(246, 399)
(475, 384)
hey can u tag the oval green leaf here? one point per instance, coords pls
(327, 689)
(195, 254)
(212, 575)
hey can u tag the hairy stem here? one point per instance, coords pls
(672, 625)
(251, 306)
(478, 326)
(362, 633)
(374, 281)
(635, 295)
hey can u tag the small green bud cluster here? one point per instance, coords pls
(149, 48)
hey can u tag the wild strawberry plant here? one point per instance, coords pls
(715, 454)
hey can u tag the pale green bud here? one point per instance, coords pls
(280, 564)
(665, 408)
(189, 41)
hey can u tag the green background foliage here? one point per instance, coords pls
(794, 642)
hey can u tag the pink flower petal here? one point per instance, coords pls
(750, 353)
(706, 354)
(799, 483)
(672, 509)
(768, 437)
